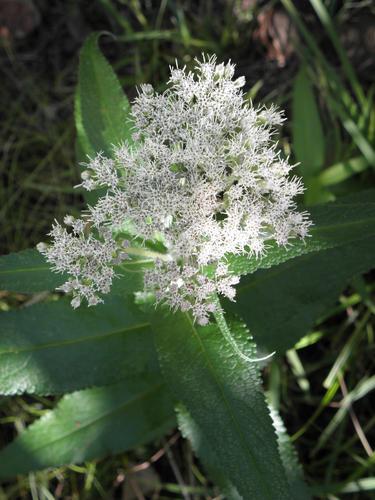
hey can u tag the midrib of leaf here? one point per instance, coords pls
(103, 416)
(63, 343)
(232, 416)
(27, 269)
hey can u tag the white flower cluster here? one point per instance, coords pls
(203, 177)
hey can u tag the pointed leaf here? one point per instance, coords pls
(51, 348)
(223, 395)
(287, 452)
(335, 224)
(91, 424)
(102, 109)
(298, 292)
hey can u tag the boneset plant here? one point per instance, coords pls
(189, 203)
(201, 180)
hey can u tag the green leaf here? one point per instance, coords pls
(280, 304)
(289, 458)
(316, 193)
(51, 348)
(335, 224)
(91, 424)
(223, 395)
(102, 110)
(308, 136)
(29, 272)
(342, 171)
(191, 431)
(351, 126)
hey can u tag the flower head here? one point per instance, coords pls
(203, 177)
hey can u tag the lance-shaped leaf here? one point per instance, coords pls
(28, 272)
(102, 110)
(51, 348)
(280, 304)
(335, 224)
(91, 424)
(223, 394)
